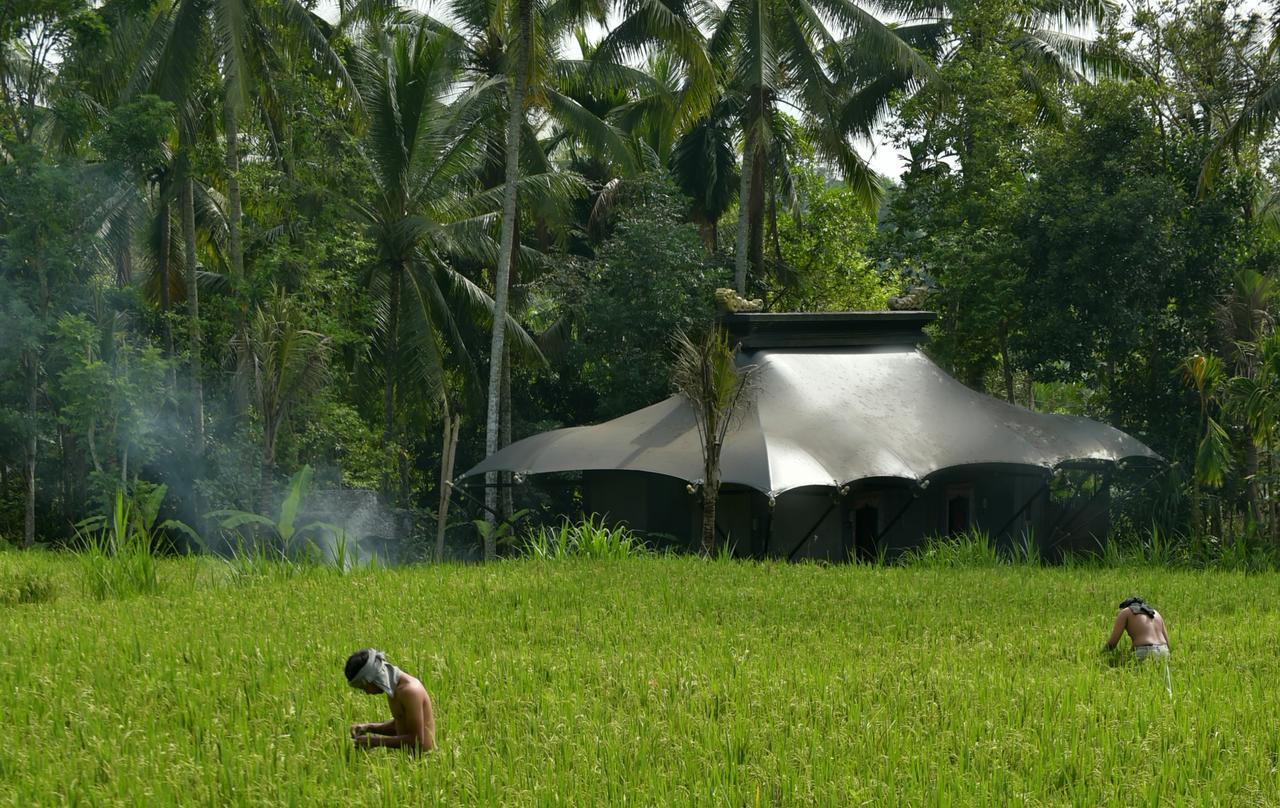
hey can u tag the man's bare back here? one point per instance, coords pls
(413, 722)
(1144, 625)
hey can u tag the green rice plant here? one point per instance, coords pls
(644, 681)
(972, 548)
(26, 586)
(588, 537)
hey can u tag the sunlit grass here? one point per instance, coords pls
(653, 681)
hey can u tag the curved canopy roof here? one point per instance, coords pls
(827, 417)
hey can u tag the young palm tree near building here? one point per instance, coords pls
(706, 373)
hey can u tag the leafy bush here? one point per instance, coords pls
(589, 537)
(256, 539)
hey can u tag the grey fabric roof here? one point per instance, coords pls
(828, 417)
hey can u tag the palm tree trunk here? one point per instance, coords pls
(755, 224)
(193, 315)
(497, 345)
(393, 350)
(711, 487)
(232, 134)
(265, 488)
(29, 518)
(742, 249)
(506, 505)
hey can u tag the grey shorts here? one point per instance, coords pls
(1144, 651)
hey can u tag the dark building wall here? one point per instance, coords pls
(870, 518)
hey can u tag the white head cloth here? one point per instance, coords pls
(378, 672)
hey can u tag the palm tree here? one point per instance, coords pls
(706, 373)
(516, 47)
(791, 52)
(423, 150)
(285, 364)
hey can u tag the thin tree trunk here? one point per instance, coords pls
(124, 265)
(497, 345)
(193, 317)
(742, 248)
(452, 425)
(393, 350)
(1007, 369)
(29, 519)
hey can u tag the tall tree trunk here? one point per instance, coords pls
(506, 505)
(166, 238)
(497, 345)
(391, 361)
(29, 519)
(193, 316)
(232, 133)
(1251, 490)
(755, 224)
(742, 248)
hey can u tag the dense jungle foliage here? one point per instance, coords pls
(241, 237)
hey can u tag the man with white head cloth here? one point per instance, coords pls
(412, 724)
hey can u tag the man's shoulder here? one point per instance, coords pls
(410, 687)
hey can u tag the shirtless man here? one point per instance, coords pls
(1145, 627)
(412, 724)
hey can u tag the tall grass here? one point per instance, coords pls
(117, 554)
(972, 548)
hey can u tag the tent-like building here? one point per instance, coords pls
(851, 442)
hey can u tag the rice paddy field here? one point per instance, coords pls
(657, 681)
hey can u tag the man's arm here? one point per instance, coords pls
(375, 728)
(1117, 631)
(415, 734)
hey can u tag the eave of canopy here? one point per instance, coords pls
(829, 417)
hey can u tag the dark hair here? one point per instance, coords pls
(1138, 606)
(355, 662)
